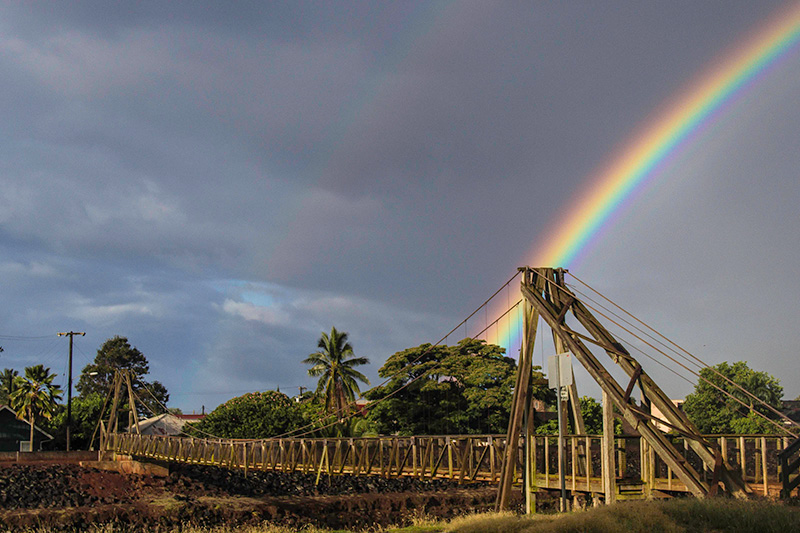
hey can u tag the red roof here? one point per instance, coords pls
(191, 417)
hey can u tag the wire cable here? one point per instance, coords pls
(312, 426)
(700, 377)
(694, 360)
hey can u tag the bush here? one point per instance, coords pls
(255, 415)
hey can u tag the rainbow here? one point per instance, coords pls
(641, 160)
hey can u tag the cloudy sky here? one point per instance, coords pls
(222, 182)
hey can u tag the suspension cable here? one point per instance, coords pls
(697, 361)
(721, 390)
(312, 427)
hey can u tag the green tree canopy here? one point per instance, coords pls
(321, 426)
(255, 415)
(35, 395)
(592, 412)
(334, 365)
(714, 412)
(86, 412)
(116, 354)
(439, 390)
(7, 385)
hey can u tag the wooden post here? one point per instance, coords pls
(131, 402)
(450, 457)
(529, 324)
(573, 449)
(547, 461)
(742, 458)
(112, 420)
(764, 464)
(608, 467)
(588, 448)
(414, 456)
(492, 466)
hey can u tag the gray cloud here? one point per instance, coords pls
(223, 184)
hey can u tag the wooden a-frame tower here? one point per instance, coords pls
(546, 295)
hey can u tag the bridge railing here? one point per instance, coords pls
(789, 464)
(467, 458)
(464, 458)
(755, 457)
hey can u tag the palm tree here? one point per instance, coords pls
(35, 395)
(7, 384)
(334, 365)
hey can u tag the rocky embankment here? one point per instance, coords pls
(73, 497)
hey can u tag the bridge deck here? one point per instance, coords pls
(466, 458)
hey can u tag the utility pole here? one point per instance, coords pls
(70, 334)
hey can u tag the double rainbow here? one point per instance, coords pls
(640, 160)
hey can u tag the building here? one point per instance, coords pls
(791, 408)
(166, 424)
(15, 433)
(656, 412)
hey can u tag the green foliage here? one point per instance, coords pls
(714, 412)
(355, 425)
(255, 415)
(7, 385)
(35, 395)
(440, 390)
(85, 415)
(115, 354)
(592, 412)
(335, 368)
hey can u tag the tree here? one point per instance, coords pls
(255, 415)
(439, 390)
(335, 367)
(320, 426)
(714, 412)
(86, 412)
(7, 385)
(592, 413)
(117, 354)
(35, 395)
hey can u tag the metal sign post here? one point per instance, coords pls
(560, 378)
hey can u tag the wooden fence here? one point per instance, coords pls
(789, 464)
(466, 458)
(463, 458)
(639, 471)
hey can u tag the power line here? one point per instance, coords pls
(25, 338)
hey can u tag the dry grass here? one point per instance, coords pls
(687, 515)
(674, 516)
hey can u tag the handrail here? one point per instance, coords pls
(787, 469)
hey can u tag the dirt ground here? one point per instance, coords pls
(73, 497)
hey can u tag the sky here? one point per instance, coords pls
(220, 183)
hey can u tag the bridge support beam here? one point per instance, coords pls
(608, 466)
(520, 406)
(544, 290)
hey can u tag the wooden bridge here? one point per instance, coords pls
(638, 471)
(652, 462)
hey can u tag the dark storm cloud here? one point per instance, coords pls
(380, 167)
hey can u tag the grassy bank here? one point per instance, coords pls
(672, 516)
(687, 515)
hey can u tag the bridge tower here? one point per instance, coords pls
(545, 294)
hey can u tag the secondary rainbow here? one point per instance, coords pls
(641, 159)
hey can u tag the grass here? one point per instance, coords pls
(687, 515)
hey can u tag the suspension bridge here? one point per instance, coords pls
(665, 455)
